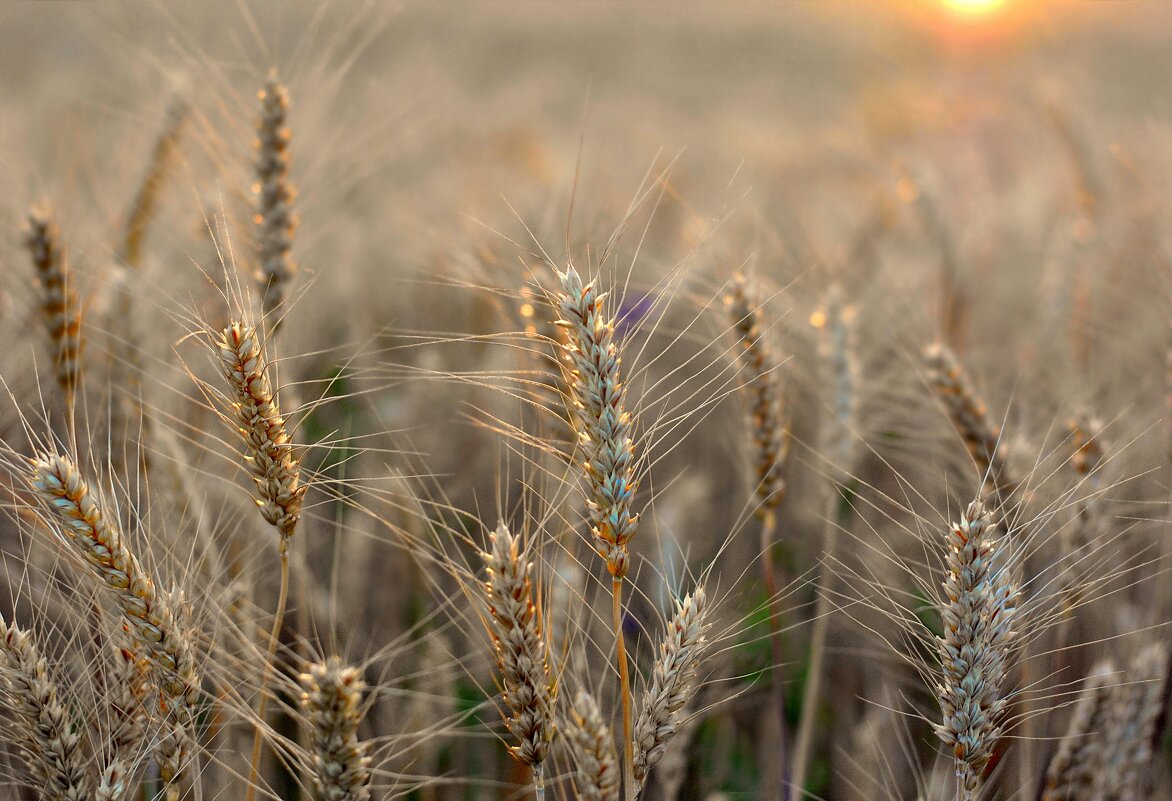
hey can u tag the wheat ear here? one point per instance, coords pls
(977, 614)
(1070, 776)
(49, 736)
(276, 471)
(673, 683)
(528, 684)
(592, 748)
(275, 220)
(152, 622)
(1134, 709)
(969, 417)
(146, 200)
(60, 306)
(770, 435)
(332, 701)
(593, 367)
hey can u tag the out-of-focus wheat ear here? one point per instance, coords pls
(770, 429)
(1070, 776)
(269, 454)
(275, 221)
(48, 735)
(969, 417)
(332, 702)
(81, 522)
(1135, 709)
(592, 749)
(145, 204)
(527, 679)
(977, 613)
(673, 683)
(60, 306)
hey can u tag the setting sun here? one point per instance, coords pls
(974, 7)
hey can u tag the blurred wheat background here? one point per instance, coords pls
(586, 400)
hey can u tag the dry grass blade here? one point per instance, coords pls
(332, 701)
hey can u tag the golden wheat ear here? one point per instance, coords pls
(591, 745)
(275, 220)
(60, 306)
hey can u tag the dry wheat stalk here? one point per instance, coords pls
(528, 683)
(770, 430)
(1070, 775)
(969, 417)
(332, 700)
(146, 201)
(269, 453)
(60, 306)
(47, 734)
(592, 748)
(153, 625)
(275, 220)
(977, 614)
(673, 683)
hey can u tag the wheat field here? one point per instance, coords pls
(516, 400)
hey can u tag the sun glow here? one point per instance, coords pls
(974, 8)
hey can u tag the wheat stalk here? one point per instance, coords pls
(594, 376)
(51, 738)
(60, 306)
(332, 700)
(528, 684)
(673, 683)
(592, 748)
(977, 615)
(275, 220)
(152, 622)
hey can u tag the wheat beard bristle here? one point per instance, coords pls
(49, 736)
(269, 456)
(332, 701)
(673, 683)
(977, 614)
(597, 388)
(528, 688)
(770, 431)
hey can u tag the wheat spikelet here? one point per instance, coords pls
(146, 201)
(673, 683)
(528, 685)
(332, 701)
(977, 615)
(58, 482)
(275, 221)
(967, 412)
(112, 784)
(1070, 775)
(269, 453)
(60, 306)
(1086, 438)
(48, 735)
(770, 431)
(592, 748)
(598, 391)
